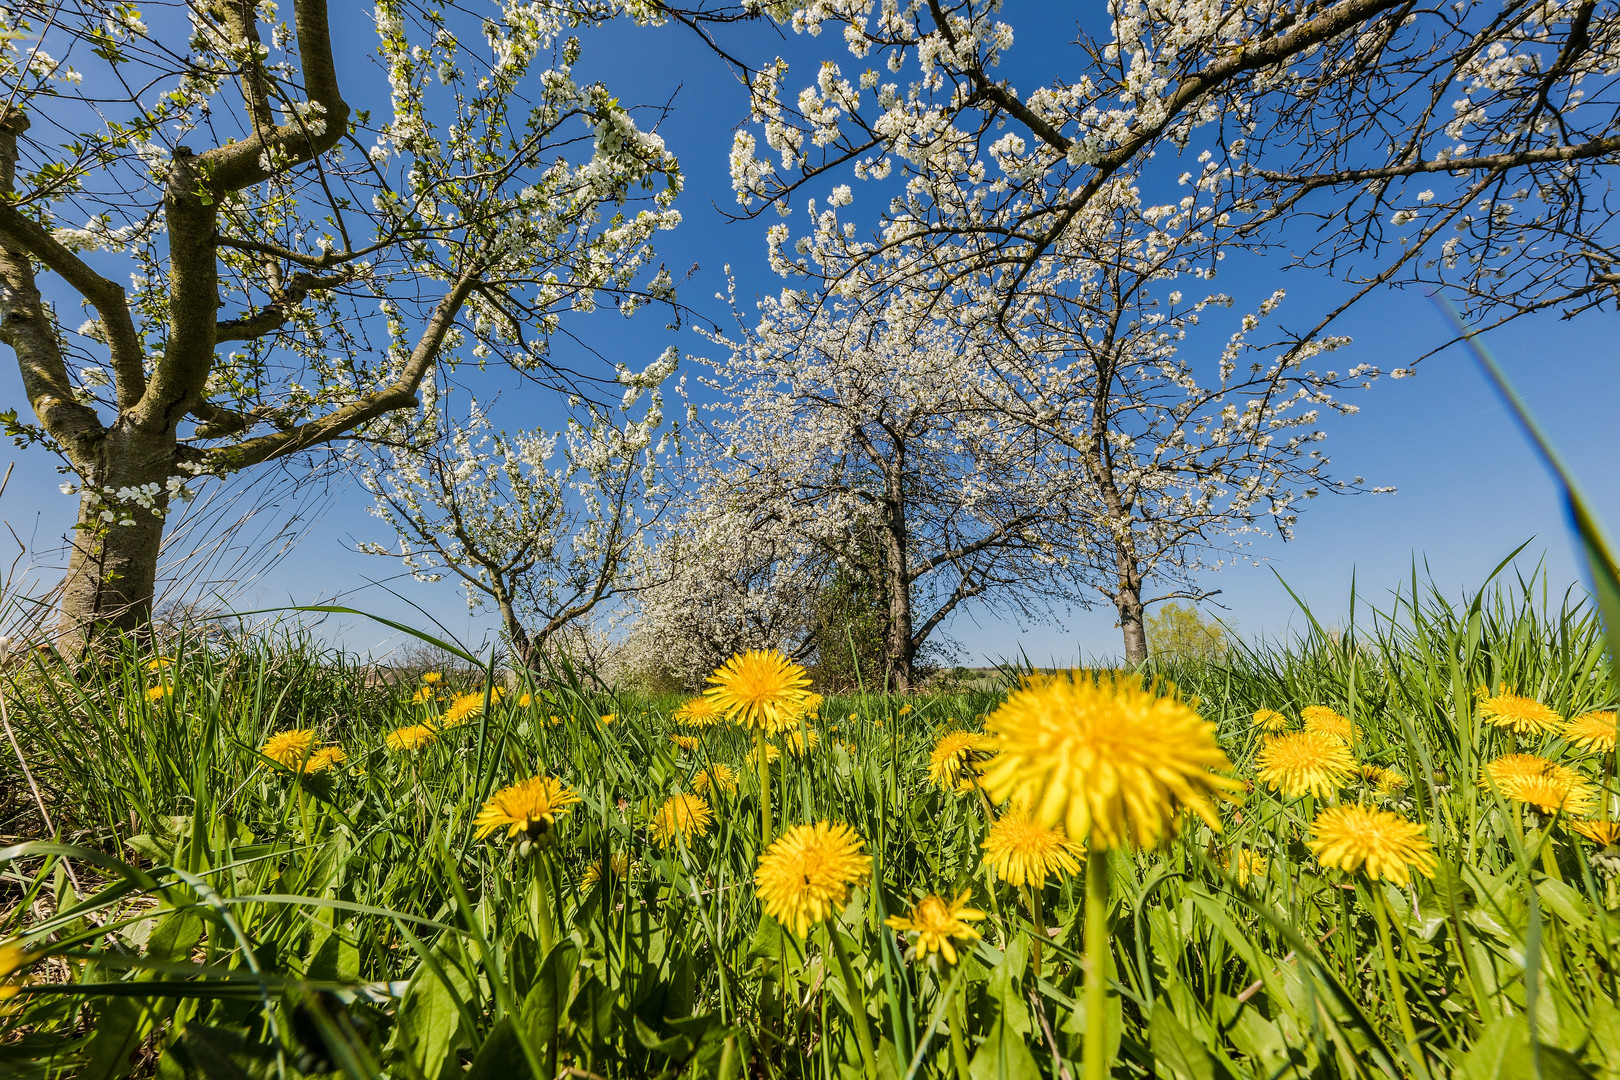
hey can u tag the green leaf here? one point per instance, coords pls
(501, 1056)
(429, 1022)
(1503, 1052)
(1175, 1052)
(120, 1024)
(1003, 1056)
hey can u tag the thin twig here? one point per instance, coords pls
(1051, 1040)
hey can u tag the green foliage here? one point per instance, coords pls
(850, 626)
(1181, 631)
(227, 918)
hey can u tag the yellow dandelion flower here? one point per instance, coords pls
(616, 866)
(607, 720)
(805, 876)
(1022, 851)
(159, 692)
(431, 677)
(772, 753)
(1325, 721)
(555, 720)
(462, 710)
(525, 700)
(1270, 721)
(159, 663)
(289, 749)
(1111, 759)
(1382, 845)
(854, 716)
(904, 709)
(529, 806)
(413, 737)
(798, 742)
(687, 815)
(1520, 715)
(1391, 780)
(423, 694)
(811, 705)
(13, 961)
(326, 759)
(935, 925)
(1535, 781)
(1249, 865)
(1551, 794)
(1606, 833)
(1304, 762)
(1592, 732)
(759, 689)
(954, 763)
(686, 742)
(698, 712)
(719, 777)
(1369, 772)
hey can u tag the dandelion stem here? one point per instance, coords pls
(764, 764)
(959, 1029)
(1096, 1035)
(1397, 992)
(855, 992)
(1033, 893)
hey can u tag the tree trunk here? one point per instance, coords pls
(1131, 623)
(523, 647)
(123, 506)
(898, 648)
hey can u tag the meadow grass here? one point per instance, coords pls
(194, 909)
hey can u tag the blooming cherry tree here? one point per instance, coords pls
(848, 425)
(269, 271)
(1462, 146)
(544, 533)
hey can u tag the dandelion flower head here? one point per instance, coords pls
(289, 749)
(1535, 781)
(1022, 851)
(1592, 732)
(1382, 845)
(463, 709)
(935, 925)
(413, 737)
(1520, 715)
(159, 692)
(798, 742)
(1248, 866)
(804, 877)
(326, 759)
(760, 689)
(954, 763)
(1109, 758)
(431, 677)
(1304, 763)
(423, 693)
(698, 712)
(529, 806)
(686, 742)
(1270, 721)
(720, 777)
(687, 815)
(13, 960)
(617, 867)
(1325, 721)
(1606, 833)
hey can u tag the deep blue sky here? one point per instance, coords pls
(1469, 490)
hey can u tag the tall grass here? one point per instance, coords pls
(224, 917)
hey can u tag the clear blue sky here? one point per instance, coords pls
(1469, 490)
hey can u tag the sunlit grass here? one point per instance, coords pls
(230, 908)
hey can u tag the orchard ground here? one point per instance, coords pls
(190, 891)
